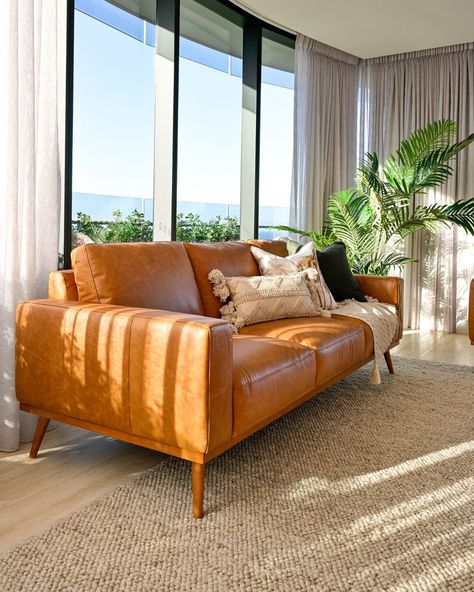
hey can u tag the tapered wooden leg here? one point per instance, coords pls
(39, 435)
(388, 359)
(198, 471)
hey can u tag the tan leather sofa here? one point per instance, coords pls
(130, 345)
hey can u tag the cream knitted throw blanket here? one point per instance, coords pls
(383, 321)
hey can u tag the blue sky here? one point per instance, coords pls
(114, 123)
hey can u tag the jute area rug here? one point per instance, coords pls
(363, 488)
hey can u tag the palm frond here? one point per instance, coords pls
(398, 177)
(349, 213)
(293, 230)
(422, 161)
(433, 216)
(374, 217)
(422, 218)
(433, 169)
(420, 143)
(395, 210)
(352, 222)
(454, 149)
(460, 213)
(368, 177)
(320, 239)
(395, 260)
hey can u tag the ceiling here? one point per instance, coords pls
(370, 28)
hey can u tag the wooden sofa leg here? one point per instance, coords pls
(39, 435)
(198, 471)
(388, 359)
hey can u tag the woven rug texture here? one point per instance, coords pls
(364, 488)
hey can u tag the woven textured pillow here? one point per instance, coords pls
(258, 299)
(304, 259)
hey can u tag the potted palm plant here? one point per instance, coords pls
(375, 217)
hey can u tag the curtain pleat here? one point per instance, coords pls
(399, 94)
(346, 107)
(32, 145)
(324, 157)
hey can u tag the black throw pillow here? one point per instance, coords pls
(337, 274)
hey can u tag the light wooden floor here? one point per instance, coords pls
(75, 467)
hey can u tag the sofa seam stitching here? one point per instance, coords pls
(340, 340)
(209, 341)
(280, 369)
(129, 373)
(92, 275)
(87, 305)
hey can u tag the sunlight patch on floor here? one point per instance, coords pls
(307, 486)
(417, 509)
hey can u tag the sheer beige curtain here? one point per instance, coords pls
(398, 94)
(32, 66)
(324, 158)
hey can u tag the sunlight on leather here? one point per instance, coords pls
(75, 336)
(166, 387)
(96, 358)
(110, 347)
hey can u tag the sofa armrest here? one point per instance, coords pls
(62, 285)
(387, 289)
(161, 375)
(471, 312)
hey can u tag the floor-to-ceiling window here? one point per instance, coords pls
(116, 115)
(276, 132)
(113, 123)
(209, 123)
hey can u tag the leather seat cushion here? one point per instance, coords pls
(339, 342)
(268, 375)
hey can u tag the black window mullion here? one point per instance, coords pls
(251, 79)
(67, 207)
(168, 19)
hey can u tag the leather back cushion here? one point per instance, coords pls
(275, 247)
(150, 275)
(232, 258)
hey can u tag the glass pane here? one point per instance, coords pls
(276, 134)
(113, 140)
(209, 125)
